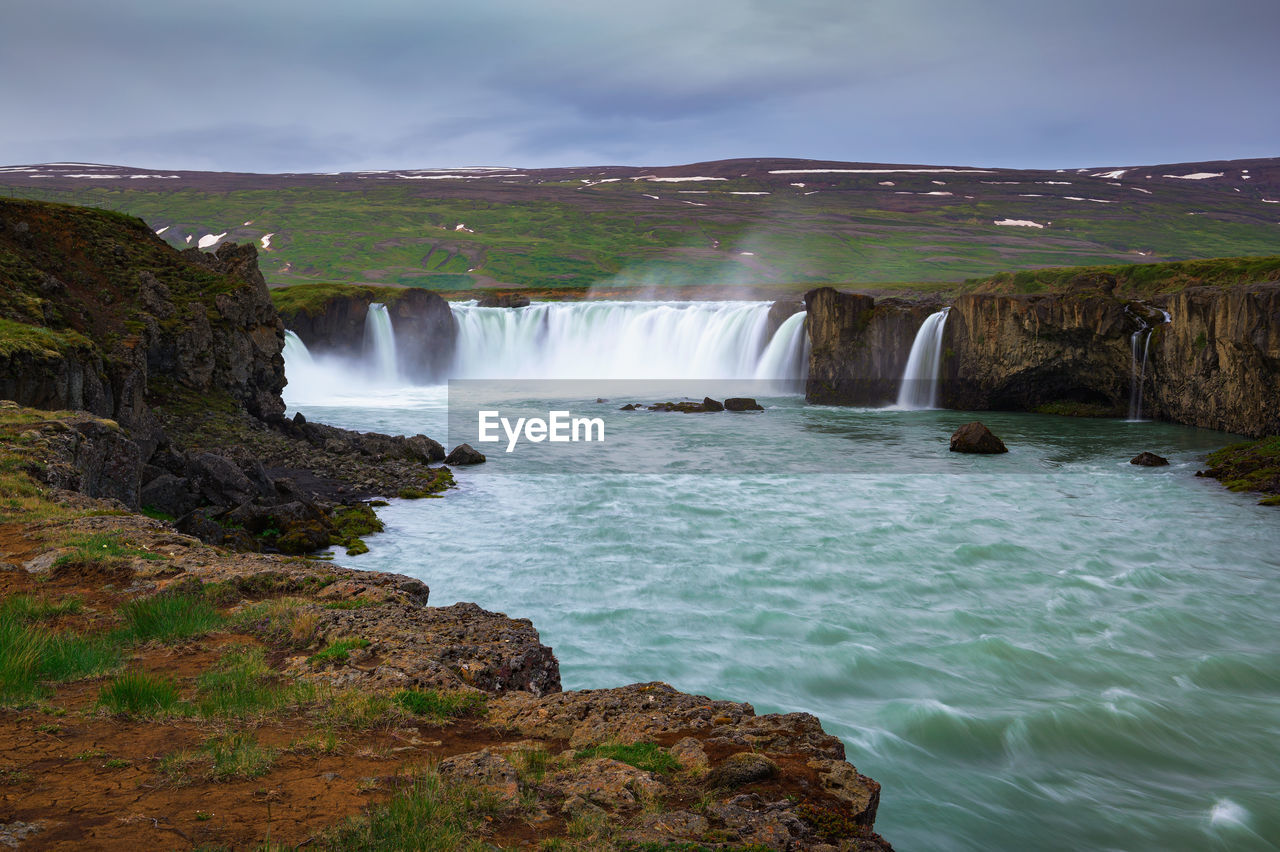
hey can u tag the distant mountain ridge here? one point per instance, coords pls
(748, 222)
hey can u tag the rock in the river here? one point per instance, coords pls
(464, 454)
(711, 405)
(1149, 460)
(976, 438)
(742, 403)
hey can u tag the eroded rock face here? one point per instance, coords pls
(1021, 352)
(426, 331)
(1217, 364)
(858, 346)
(448, 647)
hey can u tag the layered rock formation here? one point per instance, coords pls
(859, 347)
(1215, 363)
(332, 320)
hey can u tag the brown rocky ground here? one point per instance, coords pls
(320, 706)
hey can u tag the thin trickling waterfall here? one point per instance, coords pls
(922, 378)
(380, 343)
(1140, 340)
(627, 340)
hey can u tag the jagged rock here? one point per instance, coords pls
(605, 783)
(663, 830)
(742, 403)
(424, 448)
(169, 494)
(425, 327)
(486, 770)
(464, 454)
(1146, 459)
(681, 407)
(976, 438)
(859, 346)
(630, 406)
(742, 768)
(503, 300)
(219, 481)
(711, 405)
(454, 647)
(774, 825)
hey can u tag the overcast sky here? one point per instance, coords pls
(286, 85)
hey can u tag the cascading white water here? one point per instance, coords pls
(380, 343)
(296, 353)
(1139, 373)
(787, 355)
(632, 340)
(921, 379)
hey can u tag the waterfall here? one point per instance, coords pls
(921, 379)
(1139, 372)
(786, 356)
(380, 343)
(296, 353)
(627, 340)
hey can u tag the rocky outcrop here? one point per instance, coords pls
(1022, 352)
(859, 347)
(332, 320)
(1217, 364)
(503, 300)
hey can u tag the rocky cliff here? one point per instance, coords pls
(331, 319)
(1215, 363)
(96, 308)
(859, 346)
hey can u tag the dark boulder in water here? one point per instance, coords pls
(711, 405)
(976, 438)
(464, 454)
(1149, 460)
(742, 403)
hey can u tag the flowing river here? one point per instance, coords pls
(1051, 649)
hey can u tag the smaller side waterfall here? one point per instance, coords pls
(921, 379)
(380, 343)
(786, 355)
(1140, 340)
(296, 353)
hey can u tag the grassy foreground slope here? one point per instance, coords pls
(756, 223)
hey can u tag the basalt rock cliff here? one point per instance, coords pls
(182, 350)
(1214, 361)
(859, 346)
(331, 320)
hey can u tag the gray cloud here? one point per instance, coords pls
(288, 85)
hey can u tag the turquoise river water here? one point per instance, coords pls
(1051, 649)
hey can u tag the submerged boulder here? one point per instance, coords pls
(742, 403)
(464, 454)
(1145, 459)
(976, 438)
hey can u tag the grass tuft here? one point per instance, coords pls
(650, 757)
(139, 694)
(167, 618)
(428, 816)
(440, 706)
(32, 657)
(338, 651)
